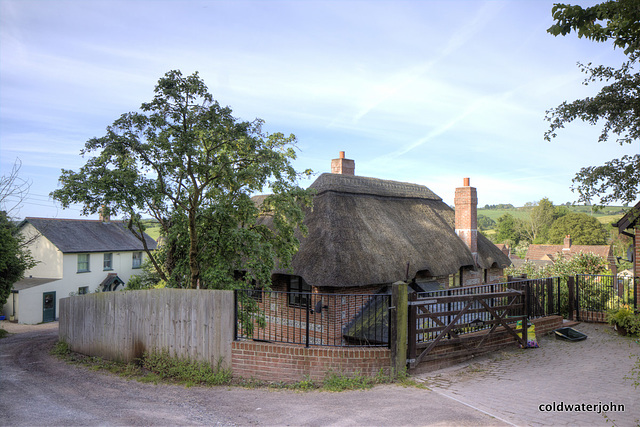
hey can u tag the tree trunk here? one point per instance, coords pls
(193, 250)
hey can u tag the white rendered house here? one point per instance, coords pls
(74, 257)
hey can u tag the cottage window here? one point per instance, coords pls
(107, 264)
(137, 260)
(83, 263)
(455, 279)
(83, 290)
(299, 292)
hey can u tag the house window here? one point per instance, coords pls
(137, 260)
(107, 264)
(83, 290)
(454, 280)
(299, 292)
(83, 263)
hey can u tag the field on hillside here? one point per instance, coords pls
(606, 215)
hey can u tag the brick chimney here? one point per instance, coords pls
(104, 214)
(466, 203)
(567, 243)
(343, 166)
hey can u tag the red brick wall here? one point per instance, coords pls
(289, 363)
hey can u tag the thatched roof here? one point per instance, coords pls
(364, 231)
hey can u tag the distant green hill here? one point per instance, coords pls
(606, 215)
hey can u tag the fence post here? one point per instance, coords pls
(235, 315)
(558, 308)
(308, 310)
(412, 321)
(572, 298)
(525, 326)
(398, 323)
(635, 281)
(577, 297)
(549, 297)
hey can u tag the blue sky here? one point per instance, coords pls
(427, 92)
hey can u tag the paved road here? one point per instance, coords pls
(37, 389)
(512, 385)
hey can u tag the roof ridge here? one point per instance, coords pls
(372, 186)
(65, 219)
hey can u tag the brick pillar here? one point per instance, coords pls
(466, 203)
(343, 166)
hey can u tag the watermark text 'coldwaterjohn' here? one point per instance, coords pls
(581, 407)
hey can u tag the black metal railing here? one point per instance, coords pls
(596, 294)
(313, 318)
(545, 297)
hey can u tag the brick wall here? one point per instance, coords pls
(289, 363)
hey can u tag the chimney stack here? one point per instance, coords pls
(567, 243)
(466, 203)
(343, 166)
(104, 214)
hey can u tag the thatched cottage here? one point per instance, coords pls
(365, 233)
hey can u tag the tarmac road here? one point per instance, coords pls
(38, 389)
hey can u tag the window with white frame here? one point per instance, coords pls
(137, 260)
(107, 263)
(83, 263)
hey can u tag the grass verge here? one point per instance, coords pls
(161, 368)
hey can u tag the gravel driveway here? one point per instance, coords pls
(38, 389)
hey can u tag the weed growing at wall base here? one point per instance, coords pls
(153, 367)
(163, 368)
(185, 371)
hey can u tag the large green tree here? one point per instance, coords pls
(616, 105)
(508, 230)
(187, 162)
(583, 229)
(541, 216)
(15, 259)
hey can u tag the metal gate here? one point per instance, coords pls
(595, 294)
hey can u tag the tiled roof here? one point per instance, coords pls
(81, 235)
(539, 252)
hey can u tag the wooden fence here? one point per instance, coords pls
(194, 324)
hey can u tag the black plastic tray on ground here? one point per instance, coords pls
(569, 334)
